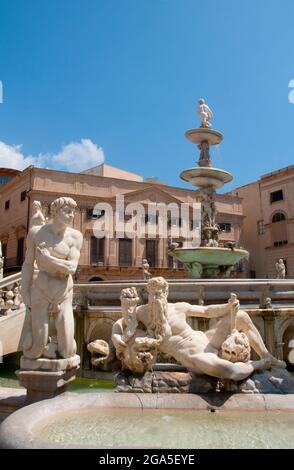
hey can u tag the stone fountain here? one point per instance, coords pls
(209, 260)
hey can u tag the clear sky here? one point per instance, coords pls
(121, 78)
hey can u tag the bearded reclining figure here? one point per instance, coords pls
(161, 326)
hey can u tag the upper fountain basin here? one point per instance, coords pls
(196, 136)
(206, 176)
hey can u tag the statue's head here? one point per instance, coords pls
(157, 287)
(129, 298)
(201, 101)
(281, 261)
(236, 347)
(36, 206)
(62, 209)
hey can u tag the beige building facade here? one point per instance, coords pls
(268, 227)
(108, 258)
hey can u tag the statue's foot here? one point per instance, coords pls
(262, 364)
(50, 351)
(276, 362)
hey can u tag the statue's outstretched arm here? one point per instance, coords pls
(212, 311)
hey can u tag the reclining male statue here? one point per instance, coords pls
(198, 351)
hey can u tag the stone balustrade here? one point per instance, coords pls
(254, 293)
(269, 302)
(10, 296)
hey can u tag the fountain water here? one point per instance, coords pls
(209, 260)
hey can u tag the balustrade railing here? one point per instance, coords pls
(256, 293)
(10, 296)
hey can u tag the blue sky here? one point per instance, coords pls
(121, 78)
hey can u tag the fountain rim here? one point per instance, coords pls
(215, 174)
(210, 248)
(18, 431)
(202, 134)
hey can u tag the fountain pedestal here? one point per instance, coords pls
(46, 378)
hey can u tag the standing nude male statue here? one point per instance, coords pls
(196, 350)
(48, 291)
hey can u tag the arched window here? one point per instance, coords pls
(96, 279)
(278, 217)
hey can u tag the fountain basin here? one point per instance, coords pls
(127, 420)
(206, 176)
(208, 262)
(196, 136)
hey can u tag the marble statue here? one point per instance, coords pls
(1, 262)
(281, 269)
(145, 267)
(222, 352)
(38, 217)
(136, 351)
(18, 302)
(205, 114)
(102, 353)
(54, 248)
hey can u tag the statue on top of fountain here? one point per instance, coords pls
(222, 352)
(205, 114)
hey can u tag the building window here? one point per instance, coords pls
(4, 179)
(195, 224)
(260, 227)
(278, 217)
(151, 219)
(170, 261)
(97, 250)
(7, 205)
(125, 252)
(95, 213)
(276, 196)
(20, 251)
(175, 222)
(151, 252)
(281, 243)
(4, 249)
(23, 196)
(225, 227)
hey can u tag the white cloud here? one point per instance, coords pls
(12, 157)
(75, 157)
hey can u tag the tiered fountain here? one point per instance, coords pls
(208, 260)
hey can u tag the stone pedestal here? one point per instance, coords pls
(46, 378)
(273, 381)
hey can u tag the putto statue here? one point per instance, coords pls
(145, 268)
(38, 217)
(205, 114)
(54, 249)
(222, 352)
(281, 269)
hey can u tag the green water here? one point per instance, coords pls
(80, 385)
(186, 429)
